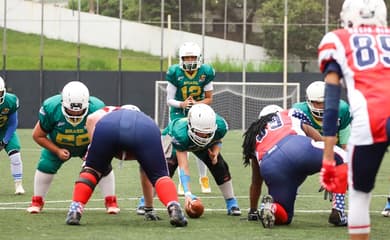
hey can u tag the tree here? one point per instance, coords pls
(305, 27)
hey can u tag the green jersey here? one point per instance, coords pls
(178, 130)
(73, 138)
(188, 85)
(345, 118)
(8, 107)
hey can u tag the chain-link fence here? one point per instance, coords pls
(235, 35)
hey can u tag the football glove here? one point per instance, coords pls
(334, 178)
(253, 215)
(190, 195)
(327, 194)
(150, 215)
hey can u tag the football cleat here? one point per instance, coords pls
(338, 218)
(176, 215)
(386, 210)
(205, 184)
(19, 190)
(111, 205)
(151, 215)
(253, 215)
(232, 207)
(74, 214)
(267, 215)
(36, 205)
(180, 190)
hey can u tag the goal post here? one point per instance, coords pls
(229, 99)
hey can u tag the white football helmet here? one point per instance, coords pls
(315, 92)
(75, 102)
(131, 107)
(3, 90)
(201, 124)
(363, 12)
(190, 49)
(269, 109)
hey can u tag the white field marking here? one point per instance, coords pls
(130, 210)
(11, 205)
(320, 196)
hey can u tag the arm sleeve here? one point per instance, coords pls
(171, 91)
(332, 98)
(12, 125)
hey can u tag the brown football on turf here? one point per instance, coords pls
(194, 208)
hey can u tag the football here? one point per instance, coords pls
(194, 208)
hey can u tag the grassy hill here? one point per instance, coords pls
(23, 53)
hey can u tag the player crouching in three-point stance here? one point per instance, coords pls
(201, 133)
(62, 134)
(126, 134)
(281, 150)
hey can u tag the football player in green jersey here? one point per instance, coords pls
(190, 82)
(61, 132)
(313, 107)
(201, 133)
(9, 140)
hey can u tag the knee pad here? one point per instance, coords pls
(172, 165)
(220, 171)
(89, 177)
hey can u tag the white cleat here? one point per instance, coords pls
(205, 184)
(180, 190)
(19, 190)
(386, 212)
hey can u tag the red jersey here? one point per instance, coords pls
(283, 124)
(364, 57)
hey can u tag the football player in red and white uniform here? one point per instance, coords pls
(360, 54)
(282, 153)
(127, 134)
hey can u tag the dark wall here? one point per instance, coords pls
(114, 88)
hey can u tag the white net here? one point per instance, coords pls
(239, 103)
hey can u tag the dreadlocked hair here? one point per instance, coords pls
(249, 143)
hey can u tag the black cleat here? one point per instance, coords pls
(73, 218)
(338, 218)
(176, 215)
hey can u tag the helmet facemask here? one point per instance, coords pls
(317, 112)
(315, 95)
(201, 124)
(73, 116)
